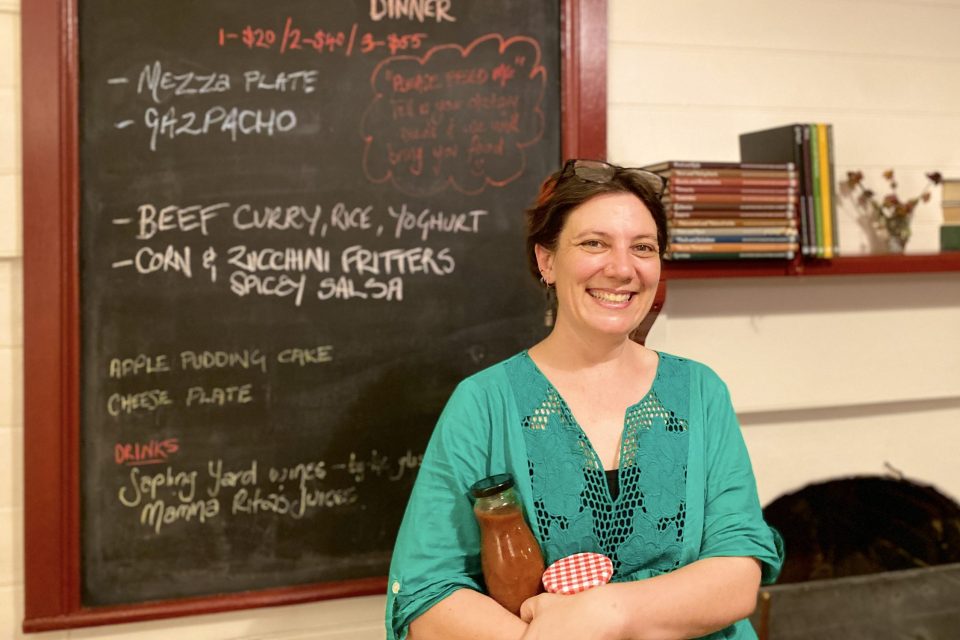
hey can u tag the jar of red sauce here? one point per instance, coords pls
(511, 558)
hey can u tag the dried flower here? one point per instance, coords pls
(890, 216)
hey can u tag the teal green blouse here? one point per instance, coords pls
(687, 490)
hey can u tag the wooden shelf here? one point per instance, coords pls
(854, 265)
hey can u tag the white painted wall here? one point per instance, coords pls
(832, 376)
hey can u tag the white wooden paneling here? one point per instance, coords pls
(11, 468)
(343, 619)
(784, 343)
(11, 303)
(11, 243)
(11, 542)
(698, 132)
(880, 28)
(922, 442)
(10, 61)
(9, 131)
(665, 75)
(11, 387)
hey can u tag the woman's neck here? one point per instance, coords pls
(570, 351)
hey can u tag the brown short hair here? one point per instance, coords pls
(562, 192)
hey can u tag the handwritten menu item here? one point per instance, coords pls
(301, 225)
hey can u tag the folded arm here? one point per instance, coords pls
(467, 615)
(692, 601)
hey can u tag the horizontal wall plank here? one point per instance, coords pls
(11, 545)
(11, 469)
(671, 75)
(920, 443)
(343, 619)
(792, 343)
(11, 303)
(9, 49)
(880, 28)
(10, 161)
(11, 387)
(653, 133)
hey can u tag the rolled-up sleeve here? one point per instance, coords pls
(437, 548)
(733, 520)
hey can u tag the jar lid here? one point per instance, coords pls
(577, 573)
(491, 485)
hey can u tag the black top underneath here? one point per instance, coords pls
(613, 481)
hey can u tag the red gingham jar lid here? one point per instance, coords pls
(577, 573)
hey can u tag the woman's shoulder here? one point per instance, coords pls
(694, 371)
(493, 379)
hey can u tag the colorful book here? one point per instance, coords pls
(701, 164)
(729, 173)
(717, 232)
(826, 190)
(817, 198)
(950, 237)
(781, 144)
(721, 239)
(733, 255)
(731, 247)
(731, 198)
(780, 207)
(776, 191)
(810, 214)
(728, 223)
(733, 182)
(702, 210)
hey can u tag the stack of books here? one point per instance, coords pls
(950, 230)
(810, 148)
(730, 210)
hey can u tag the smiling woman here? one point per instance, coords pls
(617, 450)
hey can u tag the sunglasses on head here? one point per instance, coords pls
(603, 172)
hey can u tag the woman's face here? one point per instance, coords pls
(606, 265)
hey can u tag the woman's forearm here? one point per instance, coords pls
(694, 600)
(466, 615)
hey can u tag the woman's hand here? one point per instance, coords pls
(583, 616)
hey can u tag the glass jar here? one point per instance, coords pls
(511, 558)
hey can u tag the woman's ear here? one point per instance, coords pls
(544, 263)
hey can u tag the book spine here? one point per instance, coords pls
(751, 239)
(801, 171)
(734, 182)
(732, 198)
(815, 181)
(774, 191)
(727, 223)
(696, 164)
(727, 173)
(825, 190)
(775, 231)
(831, 167)
(733, 255)
(727, 247)
(736, 211)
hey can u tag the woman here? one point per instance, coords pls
(616, 449)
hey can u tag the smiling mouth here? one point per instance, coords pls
(608, 296)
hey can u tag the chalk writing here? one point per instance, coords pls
(191, 496)
(457, 117)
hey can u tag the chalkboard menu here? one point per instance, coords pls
(300, 225)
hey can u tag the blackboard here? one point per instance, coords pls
(300, 224)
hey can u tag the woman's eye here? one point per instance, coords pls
(592, 244)
(645, 248)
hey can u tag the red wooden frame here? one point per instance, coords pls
(51, 304)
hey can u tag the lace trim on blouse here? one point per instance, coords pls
(640, 529)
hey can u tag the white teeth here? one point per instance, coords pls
(610, 297)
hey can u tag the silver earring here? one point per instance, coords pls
(550, 312)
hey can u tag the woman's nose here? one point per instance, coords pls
(619, 264)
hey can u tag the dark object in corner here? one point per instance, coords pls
(864, 525)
